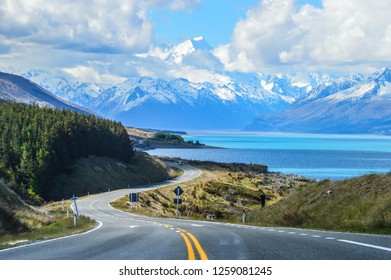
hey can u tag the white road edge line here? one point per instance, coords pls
(365, 245)
(54, 239)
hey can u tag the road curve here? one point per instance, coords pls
(122, 235)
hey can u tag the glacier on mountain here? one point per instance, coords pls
(198, 94)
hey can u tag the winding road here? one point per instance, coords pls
(122, 235)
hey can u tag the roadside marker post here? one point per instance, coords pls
(133, 197)
(178, 191)
(76, 211)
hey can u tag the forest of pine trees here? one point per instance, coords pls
(38, 143)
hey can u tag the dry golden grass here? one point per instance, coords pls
(221, 192)
(139, 132)
(361, 204)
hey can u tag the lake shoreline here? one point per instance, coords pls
(317, 157)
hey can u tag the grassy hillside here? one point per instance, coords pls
(99, 174)
(20, 222)
(15, 215)
(361, 204)
(221, 192)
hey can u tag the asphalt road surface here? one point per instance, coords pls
(121, 235)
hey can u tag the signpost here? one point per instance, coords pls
(75, 211)
(178, 191)
(133, 197)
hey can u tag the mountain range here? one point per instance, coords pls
(15, 88)
(312, 103)
(360, 105)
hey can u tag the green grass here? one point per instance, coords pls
(61, 226)
(21, 223)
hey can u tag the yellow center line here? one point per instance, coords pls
(190, 250)
(201, 252)
(189, 246)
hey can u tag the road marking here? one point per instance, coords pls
(201, 252)
(190, 251)
(316, 236)
(195, 225)
(281, 231)
(330, 238)
(303, 234)
(291, 232)
(365, 245)
(197, 245)
(135, 226)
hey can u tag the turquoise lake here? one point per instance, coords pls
(316, 156)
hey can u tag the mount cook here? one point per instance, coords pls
(234, 100)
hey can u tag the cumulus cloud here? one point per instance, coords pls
(91, 74)
(277, 33)
(85, 25)
(91, 40)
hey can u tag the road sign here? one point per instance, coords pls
(178, 201)
(178, 191)
(133, 197)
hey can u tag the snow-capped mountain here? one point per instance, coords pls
(57, 82)
(180, 104)
(15, 88)
(195, 52)
(358, 105)
(231, 101)
(223, 100)
(187, 48)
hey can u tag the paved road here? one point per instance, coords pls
(122, 235)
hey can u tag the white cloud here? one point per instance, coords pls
(77, 35)
(276, 33)
(91, 26)
(91, 74)
(85, 25)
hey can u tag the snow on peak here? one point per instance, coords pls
(188, 47)
(199, 38)
(199, 43)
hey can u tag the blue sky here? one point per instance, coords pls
(213, 19)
